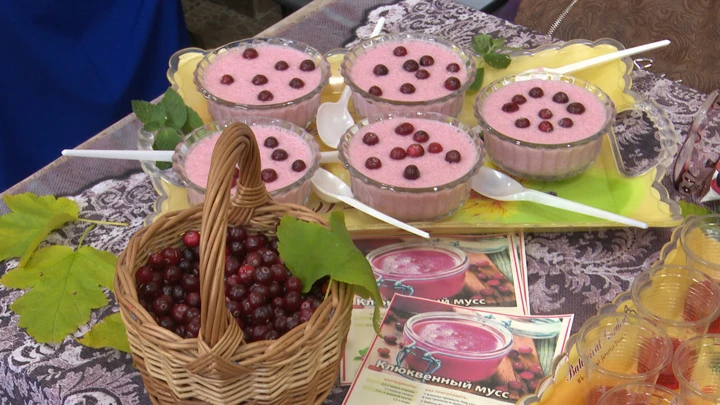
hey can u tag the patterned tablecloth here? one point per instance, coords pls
(568, 272)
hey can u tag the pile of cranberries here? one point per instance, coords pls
(416, 68)
(415, 150)
(545, 114)
(261, 294)
(306, 65)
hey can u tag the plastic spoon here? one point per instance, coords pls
(331, 188)
(499, 186)
(333, 118)
(584, 64)
(155, 155)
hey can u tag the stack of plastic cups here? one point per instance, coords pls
(700, 240)
(696, 365)
(641, 394)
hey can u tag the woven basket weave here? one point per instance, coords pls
(218, 366)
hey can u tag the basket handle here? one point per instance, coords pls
(219, 334)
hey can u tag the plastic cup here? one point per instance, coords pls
(619, 349)
(700, 239)
(697, 367)
(682, 301)
(641, 394)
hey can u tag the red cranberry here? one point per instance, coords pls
(370, 139)
(298, 165)
(560, 97)
(427, 60)
(144, 273)
(519, 99)
(375, 91)
(250, 53)
(398, 153)
(265, 96)
(536, 92)
(407, 88)
(227, 80)
(268, 175)
(453, 68)
(405, 128)
(565, 122)
(307, 65)
(452, 83)
(259, 80)
(421, 136)
(281, 65)
(422, 74)
(373, 163)
(545, 126)
(380, 70)
(191, 239)
(576, 108)
(453, 156)
(400, 51)
(411, 172)
(410, 65)
(510, 107)
(545, 114)
(279, 155)
(415, 150)
(271, 142)
(296, 83)
(435, 147)
(522, 122)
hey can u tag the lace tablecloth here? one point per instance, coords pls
(568, 272)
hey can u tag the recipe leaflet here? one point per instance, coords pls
(496, 277)
(433, 353)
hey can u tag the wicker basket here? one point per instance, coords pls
(218, 366)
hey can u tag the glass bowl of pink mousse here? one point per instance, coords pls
(411, 166)
(268, 77)
(289, 156)
(408, 73)
(543, 126)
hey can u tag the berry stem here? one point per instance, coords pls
(82, 237)
(93, 221)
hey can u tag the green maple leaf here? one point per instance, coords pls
(64, 285)
(334, 255)
(108, 333)
(31, 220)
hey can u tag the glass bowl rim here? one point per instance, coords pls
(402, 246)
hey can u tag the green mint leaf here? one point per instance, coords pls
(312, 251)
(143, 110)
(497, 60)
(158, 117)
(497, 43)
(481, 43)
(477, 83)
(175, 109)
(193, 121)
(110, 332)
(152, 126)
(167, 139)
(31, 220)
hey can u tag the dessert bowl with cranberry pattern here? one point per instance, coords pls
(268, 77)
(408, 73)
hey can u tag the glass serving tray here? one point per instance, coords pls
(625, 179)
(564, 385)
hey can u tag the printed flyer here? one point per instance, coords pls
(469, 271)
(432, 353)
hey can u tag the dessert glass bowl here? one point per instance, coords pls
(367, 104)
(299, 111)
(543, 161)
(297, 192)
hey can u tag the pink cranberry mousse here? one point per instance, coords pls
(412, 167)
(421, 269)
(273, 77)
(408, 73)
(285, 160)
(544, 128)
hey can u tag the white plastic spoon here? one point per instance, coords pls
(333, 118)
(155, 155)
(331, 188)
(499, 186)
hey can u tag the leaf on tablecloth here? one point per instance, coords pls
(64, 285)
(108, 333)
(333, 254)
(31, 220)
(689, 208)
